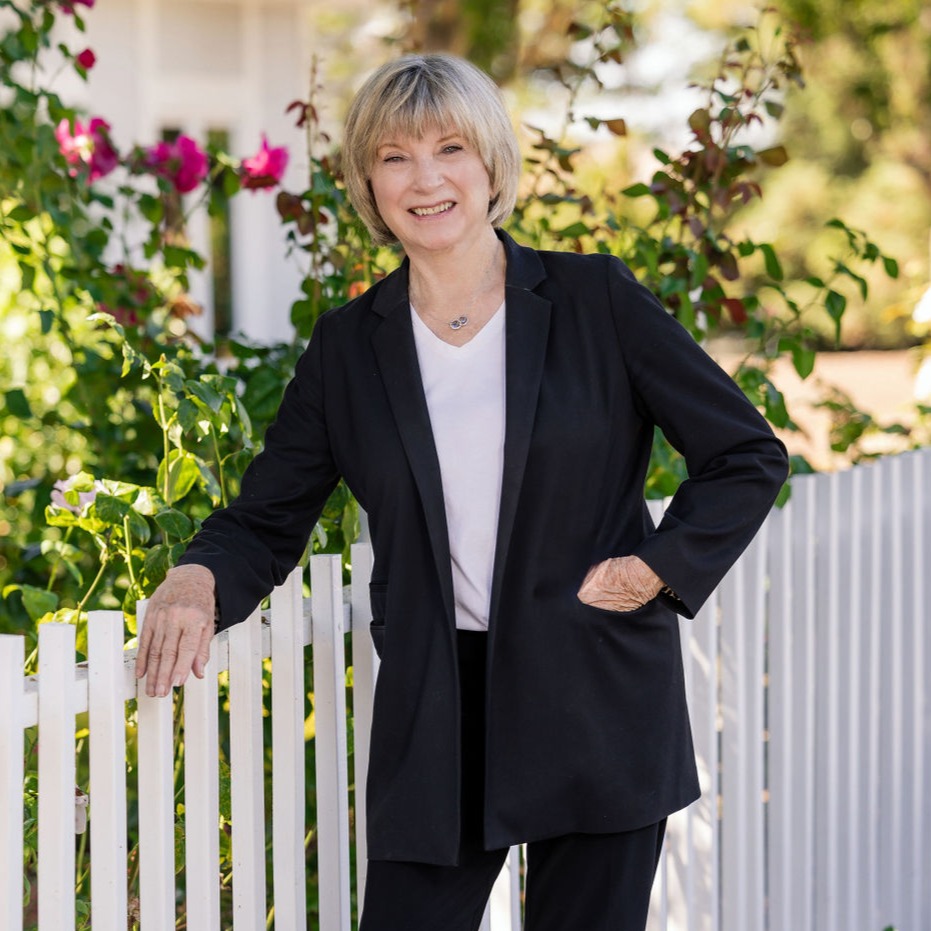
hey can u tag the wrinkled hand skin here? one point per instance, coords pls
(622, 583)
(178, 628)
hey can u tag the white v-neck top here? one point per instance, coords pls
(464, 386)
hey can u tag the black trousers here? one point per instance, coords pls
(578, 882)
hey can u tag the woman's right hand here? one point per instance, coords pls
(178, 628)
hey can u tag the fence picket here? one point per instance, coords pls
(784, 692)
(742, 692)
(288, 768)
(854, 624)
(202, 799)
(56, 776)
(364, 673)
(503, 910)
(919, 480)
(897, 779)
(156, 805)
(247, 787)
(330, 717)
(106, 722)
(12, 657)
(696, 851)
(921, 559)
(876, 577)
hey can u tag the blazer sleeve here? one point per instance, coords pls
(251, 545)
(736, 466)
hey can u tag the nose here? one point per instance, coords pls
(427, 174)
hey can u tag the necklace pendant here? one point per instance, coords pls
(459, 322)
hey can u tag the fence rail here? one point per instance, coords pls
(808, 680)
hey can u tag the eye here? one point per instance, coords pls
(388, 159)
(451, 148)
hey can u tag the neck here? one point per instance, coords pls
(458, 273)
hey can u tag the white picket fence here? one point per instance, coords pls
(808, 676)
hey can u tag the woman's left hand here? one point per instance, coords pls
(622, 583)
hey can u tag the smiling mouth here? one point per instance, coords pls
(433, 211)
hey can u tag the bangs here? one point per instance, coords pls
(415, 106)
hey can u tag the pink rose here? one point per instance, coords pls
(86, 59)
(266, 168)
(89, 145)
(182, 162)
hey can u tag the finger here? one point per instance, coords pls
(589, 584)
(142, 651)
(154, 656)
(203, 653)
(167, 654)
(188, 645)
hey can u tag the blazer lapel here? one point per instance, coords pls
(527, 325)
(396, 352)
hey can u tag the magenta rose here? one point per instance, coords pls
(182, 162)
(67, 6)
(86, 59)
(89, 145)
(266, 168)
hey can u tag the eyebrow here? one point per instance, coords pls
(390, 143)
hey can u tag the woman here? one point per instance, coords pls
(492, 408)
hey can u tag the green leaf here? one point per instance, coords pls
(189, 413)
(775, 157)
(774, 403)
(891, 266)
(636, 190)
(574, 230)
(209, 483)
(181, 472)
(110, 509)
(139, 527)
(37, 601)
(18, 404)
(175, 523)
(206, 393)
(803, 359)
(773, 265)
(835, 303)
(700, 121)
(774, 108)
(156, 564)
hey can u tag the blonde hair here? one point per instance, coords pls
(415, 93)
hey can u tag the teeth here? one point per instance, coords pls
(431, 211)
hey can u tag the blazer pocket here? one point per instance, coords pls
(638, 613)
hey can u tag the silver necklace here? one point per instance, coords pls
(457, 323)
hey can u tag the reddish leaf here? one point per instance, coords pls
(736, 309)
(618, 127)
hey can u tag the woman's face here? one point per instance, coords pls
(432, 192)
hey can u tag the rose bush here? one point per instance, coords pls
(163, 423)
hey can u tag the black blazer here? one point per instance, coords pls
(587, 722)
